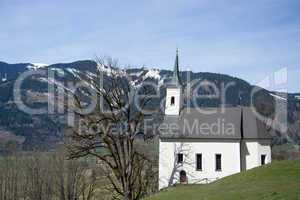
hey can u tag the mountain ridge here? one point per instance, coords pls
(47, 131)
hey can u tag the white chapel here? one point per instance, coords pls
(193, 149)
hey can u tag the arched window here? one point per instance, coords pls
(172, 101)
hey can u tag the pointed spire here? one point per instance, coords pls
(176, 77)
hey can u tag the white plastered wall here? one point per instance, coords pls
(253, 151)
(169, 169)
(264, 147)
(173, 109)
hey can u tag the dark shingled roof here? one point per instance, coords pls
(176, 74)
(215, 123)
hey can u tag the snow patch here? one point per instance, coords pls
(4, 78)
(161, 82)
(135, 83)
(278, 97)
(110, 71)
(138, 74)
(36, 66)
(74, 72)
(153, 73)
(58, 70)
(104, 69)
(40, 64)
(55, 82)
(90, 75)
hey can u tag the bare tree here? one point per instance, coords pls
(9, 178)
(46, 176)
(38, 177)
(72, 179)
(109, 132)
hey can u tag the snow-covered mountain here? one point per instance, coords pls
(46, 130)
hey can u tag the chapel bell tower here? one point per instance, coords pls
(174, 91)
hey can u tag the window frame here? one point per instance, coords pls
(179, 161)
(199, 169)
(172, 101)
(216, 164)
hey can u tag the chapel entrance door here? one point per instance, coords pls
(183, 178)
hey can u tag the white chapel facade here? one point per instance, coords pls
(192, 153)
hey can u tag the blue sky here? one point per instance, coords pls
(248, 39)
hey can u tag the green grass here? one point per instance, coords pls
(277, 181)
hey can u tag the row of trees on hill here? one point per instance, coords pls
(46, 176)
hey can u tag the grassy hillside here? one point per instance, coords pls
(278, 181)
